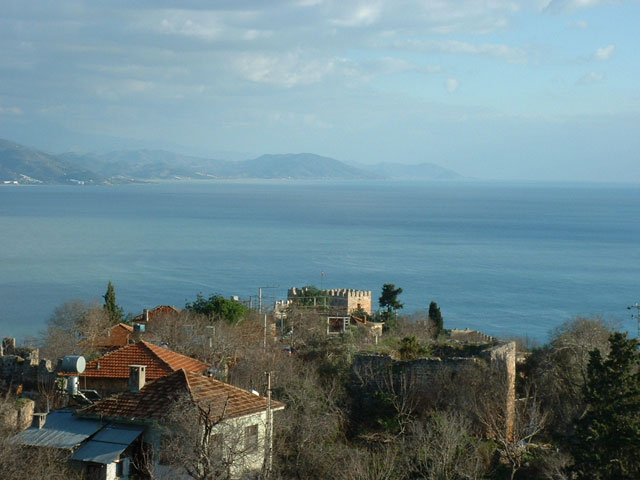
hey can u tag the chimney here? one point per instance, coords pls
(39, 419)
(137, 377)
(145, 315)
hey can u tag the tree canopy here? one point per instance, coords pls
(435, 318)
(217, 306)
(389, 299)
(114, 311)
(607, 437)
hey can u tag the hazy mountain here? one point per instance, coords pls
(28, 166)
(149, 165)
(159, 164)
(299, 166)
(422, 171)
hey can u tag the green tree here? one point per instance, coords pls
(435, 318)
(411, 348)
(607, 437)
(216, 306)
(389, 299)
(114, 311)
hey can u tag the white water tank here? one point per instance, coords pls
(73, 364)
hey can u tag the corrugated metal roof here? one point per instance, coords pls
(108, 444)
(99, 452)
(124, 434)
(61, 430)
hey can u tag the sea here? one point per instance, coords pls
(509, 259)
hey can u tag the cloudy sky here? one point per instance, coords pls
(502, 89)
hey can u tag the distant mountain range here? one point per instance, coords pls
(23, 165)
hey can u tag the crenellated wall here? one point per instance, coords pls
(344, 299)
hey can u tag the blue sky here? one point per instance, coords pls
(495, 89)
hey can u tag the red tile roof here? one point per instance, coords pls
(156, 399)
(113, 337)
(158, 312)
(159, 361)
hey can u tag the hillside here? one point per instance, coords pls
(298, 166)
(24, 165)
(163, 165)
(28, 166)
(149, 165)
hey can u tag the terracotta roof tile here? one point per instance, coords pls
(158, 312)
(159, 362)
(113, 337)
(156, 399)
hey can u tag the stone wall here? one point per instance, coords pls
(17, 414)
(436, 378)
(21, 366)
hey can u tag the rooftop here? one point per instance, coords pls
(157, 312)
(115, 337)
(156, 399)
(159, 362)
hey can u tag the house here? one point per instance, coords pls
(114, 337)
(148, 316)
(110, 373)
(101, 450)
(193, 420)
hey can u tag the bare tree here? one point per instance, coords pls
(444, 448)
(200, 440)
(382, 463)
(511, 430)
(73, 328)
(559, 370)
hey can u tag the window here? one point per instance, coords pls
(251, 438)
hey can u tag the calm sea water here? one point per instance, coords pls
(501, 258)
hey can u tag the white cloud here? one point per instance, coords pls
(500, 51)
(286, 70)
(452, 85)
(190, 28)
(10, 111)
(604, 53)
(569, 5)
(590, 78)
(364, 14)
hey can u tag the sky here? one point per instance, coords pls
(493, 89)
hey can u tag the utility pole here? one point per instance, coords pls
(636, 315)
(260, 295)
(268, 432)
(264, 343)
